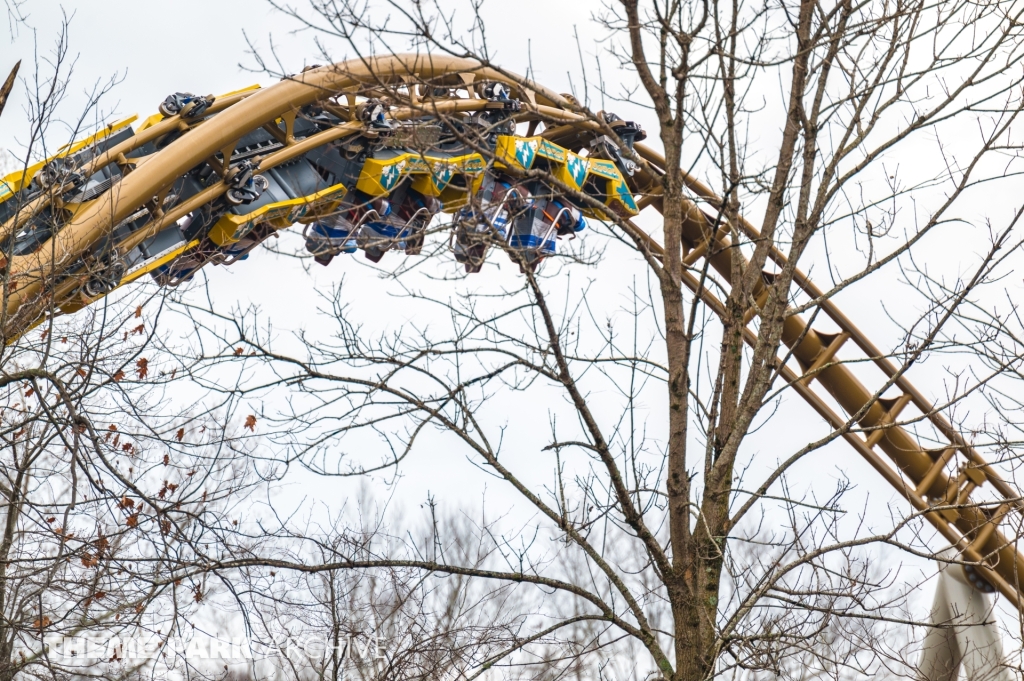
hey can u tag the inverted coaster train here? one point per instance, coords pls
(364, 155)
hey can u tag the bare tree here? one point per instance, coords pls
(111, 489)
(623, 423)
(664, 542)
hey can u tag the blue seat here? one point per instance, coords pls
(569, 219)
(533, 236)
(326, 238)
(376, 237)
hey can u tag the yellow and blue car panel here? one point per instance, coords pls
(571, 170)
(231, 228)
(616, 194)
(431, 175)
(521, 152)
(573, 173)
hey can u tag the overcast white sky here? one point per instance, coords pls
(198, 45)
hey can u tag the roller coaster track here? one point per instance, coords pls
(949, 485)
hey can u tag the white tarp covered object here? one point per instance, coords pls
(965, 636)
